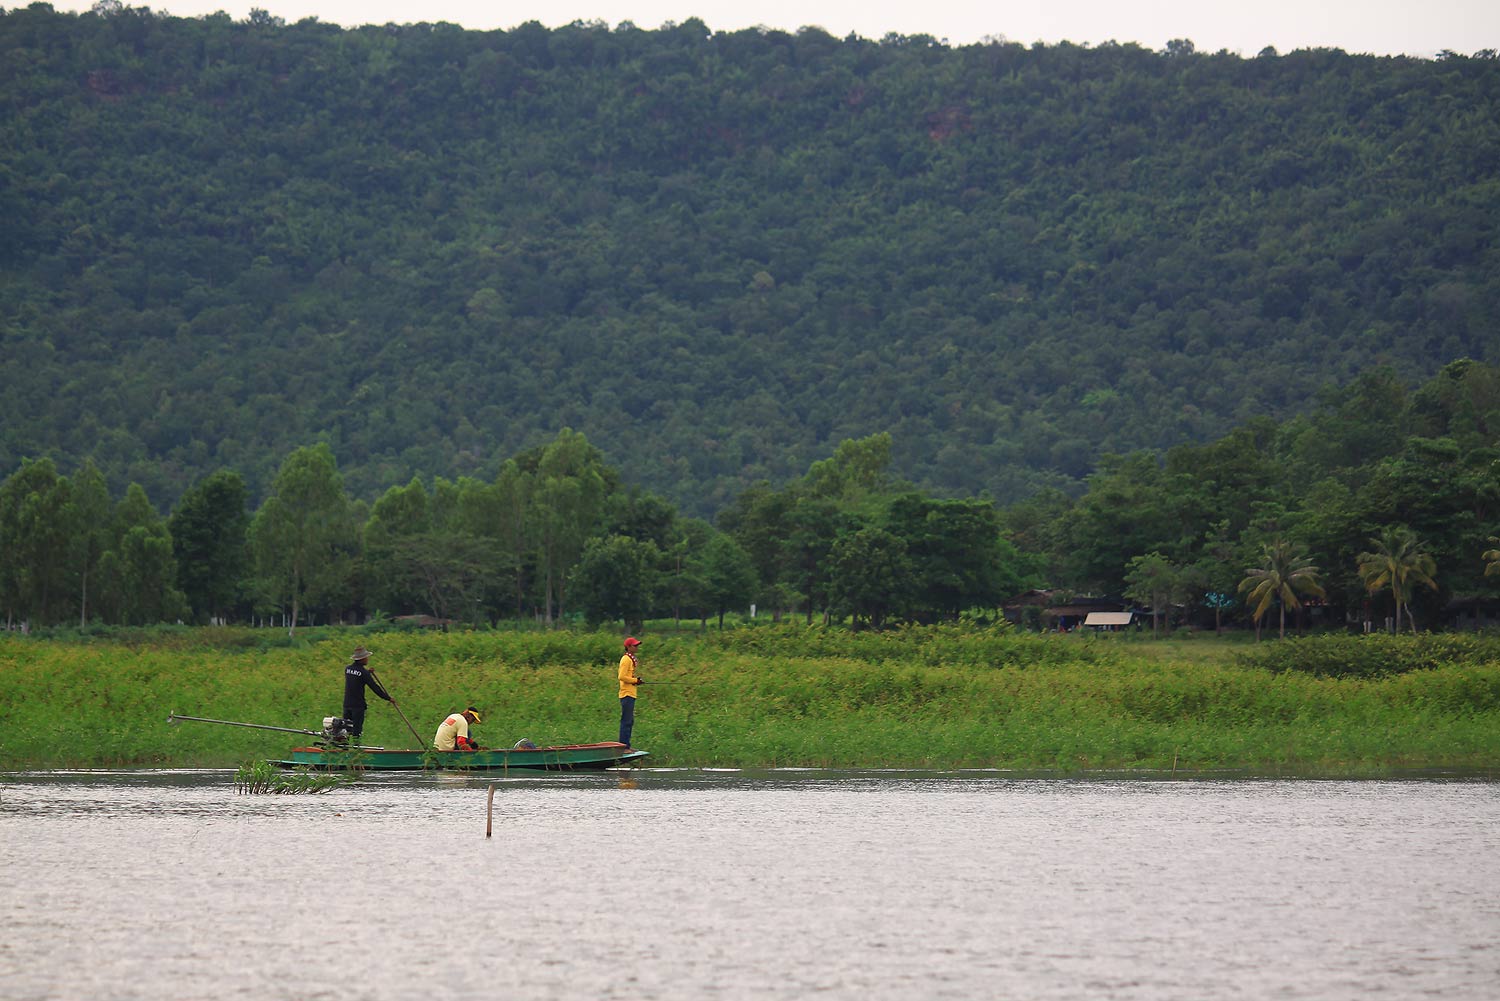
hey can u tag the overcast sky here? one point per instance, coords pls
(1383, 27)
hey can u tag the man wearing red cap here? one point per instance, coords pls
(629, 679)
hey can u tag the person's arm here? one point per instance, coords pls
(376, 686)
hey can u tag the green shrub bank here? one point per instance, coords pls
(939, 698)
(1380, 655)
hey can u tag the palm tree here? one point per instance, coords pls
(1284, 576)
(1492, 560)
(1400, 562)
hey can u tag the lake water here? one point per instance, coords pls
(661, 884)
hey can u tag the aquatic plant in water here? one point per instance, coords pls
(255, 777)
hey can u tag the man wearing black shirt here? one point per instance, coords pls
(358, 676)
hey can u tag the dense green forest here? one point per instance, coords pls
(717, 256)
(1381, 505)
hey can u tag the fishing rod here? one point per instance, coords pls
(173, 718)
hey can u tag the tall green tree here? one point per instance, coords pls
(727, 576)
(959, 559)
(1217, 571)
(617, 578)
(210, 529)
(35, 528)
(139, 570)
(302, 535)
(870, 576)
(683, 587)
(1283, 577)
(1155, 582)
(91, 532)
(448, 570)
(1131, 507)
(480, 515)
(512, 521)
(571, 487)
(858, 469)
(761, 522)
(811, 526)
(398, 569)
(1397, 562)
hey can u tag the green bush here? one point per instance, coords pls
(1372, 656)
(963, 645)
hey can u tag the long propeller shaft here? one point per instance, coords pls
(176, 718)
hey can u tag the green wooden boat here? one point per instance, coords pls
(558, 758)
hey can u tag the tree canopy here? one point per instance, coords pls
(1268, 512)
(718, 255)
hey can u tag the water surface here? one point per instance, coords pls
(664, 884)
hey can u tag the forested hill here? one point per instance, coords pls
(715, 254)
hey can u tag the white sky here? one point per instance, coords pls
(1382, 27)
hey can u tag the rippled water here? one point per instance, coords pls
(687, 885)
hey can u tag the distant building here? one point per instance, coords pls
(1015, 608)
(1472, 612)
(1109, 621)
(1037, 609)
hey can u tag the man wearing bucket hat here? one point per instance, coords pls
(358, 677)
(453, 732)
(629, 679)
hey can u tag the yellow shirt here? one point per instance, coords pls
(452, 728)
(628, 680)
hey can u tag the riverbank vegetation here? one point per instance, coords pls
(939, 697)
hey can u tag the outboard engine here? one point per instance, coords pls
(336, 729)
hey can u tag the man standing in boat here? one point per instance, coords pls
(453, 732)
(358, 677)
(629, 679)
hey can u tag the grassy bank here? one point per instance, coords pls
(937, 698)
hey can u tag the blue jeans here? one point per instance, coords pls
(627, 718)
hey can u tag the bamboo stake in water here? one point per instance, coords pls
(489, 816)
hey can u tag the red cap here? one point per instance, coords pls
(632, 641)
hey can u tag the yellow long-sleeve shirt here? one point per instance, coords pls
(628, 680)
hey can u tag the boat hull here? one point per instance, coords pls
(560, 758)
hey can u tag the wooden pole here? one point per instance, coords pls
(489, 813)
(421, 746)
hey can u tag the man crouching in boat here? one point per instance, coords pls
(453, 734)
